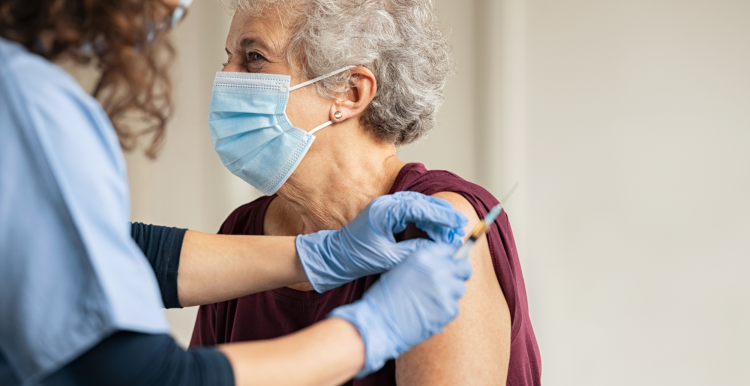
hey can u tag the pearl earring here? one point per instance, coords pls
(338, 115)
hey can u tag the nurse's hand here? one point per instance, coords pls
(408, 304)
(367, 245)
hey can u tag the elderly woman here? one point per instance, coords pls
(366, 77)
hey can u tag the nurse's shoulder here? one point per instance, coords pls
(70, 272)
(28, 73)
(42, 97)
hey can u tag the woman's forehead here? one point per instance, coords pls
(265, 30)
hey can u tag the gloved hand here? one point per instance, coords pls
(408, 304)
(367, 245)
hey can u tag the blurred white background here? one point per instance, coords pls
(627, 124)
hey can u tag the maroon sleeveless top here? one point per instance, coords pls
(282, 311)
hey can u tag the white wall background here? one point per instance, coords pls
(627, 124)
(639, 179)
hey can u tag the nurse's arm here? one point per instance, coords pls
(194, 268)
(329, 352)
(325, 354)
(215, 268)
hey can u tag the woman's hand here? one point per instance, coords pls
(367, 245)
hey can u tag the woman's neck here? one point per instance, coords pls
(336, 180)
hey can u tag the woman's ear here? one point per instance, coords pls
(353, 102)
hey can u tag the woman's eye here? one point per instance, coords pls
(254, 56)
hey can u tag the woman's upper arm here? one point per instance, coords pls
(474, 349)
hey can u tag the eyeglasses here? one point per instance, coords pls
(179, 12)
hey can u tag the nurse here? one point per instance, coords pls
(79, 303)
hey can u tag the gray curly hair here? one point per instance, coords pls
(400, 41)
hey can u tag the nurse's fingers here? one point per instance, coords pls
(423, 211)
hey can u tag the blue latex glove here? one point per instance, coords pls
(408, 304)
(367, 245)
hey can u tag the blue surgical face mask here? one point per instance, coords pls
(250, 130)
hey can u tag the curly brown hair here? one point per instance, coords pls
(114, 35)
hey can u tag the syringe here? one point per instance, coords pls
(484, 226)
(481, 229)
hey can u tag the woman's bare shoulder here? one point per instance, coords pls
(475, 347)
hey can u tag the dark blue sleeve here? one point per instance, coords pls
(131, 358)
(162, 247)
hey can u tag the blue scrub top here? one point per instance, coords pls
(70, 274)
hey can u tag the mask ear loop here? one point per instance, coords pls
(313, 131)
(311, 81)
